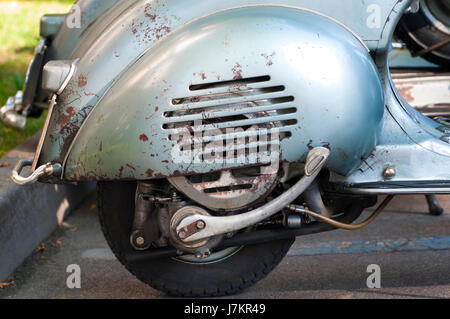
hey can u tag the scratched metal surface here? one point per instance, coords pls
(305, 53)
(118, 38)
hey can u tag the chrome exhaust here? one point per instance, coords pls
(10, 113)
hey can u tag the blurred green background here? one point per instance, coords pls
(19, 35)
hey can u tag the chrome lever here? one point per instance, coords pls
(213, 225)
(44, 170)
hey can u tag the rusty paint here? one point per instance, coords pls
(149, 173)
(156, 109)
(143, 138)
(405, 92)
(65, 118)
(70, 130)
(326, 145)
(121, 171)
(202, 75)
(130, 166)
(237, 71)
(151, 16)
(82, 81)
(269, 58)
(309, 145)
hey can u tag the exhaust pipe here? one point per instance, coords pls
(9, 114)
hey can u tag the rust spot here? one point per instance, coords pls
(101, 147)
(160, 32)
(326, 145)
(269, 58)
(82, 81)
(129, 166)
(405, 92)
(310, 147)
(151, 16)
(134, 31)
(120, 171)
(156, 109)
(149, 172)
(237, 71)
(65, 118)
(143, 138)
(203, 75)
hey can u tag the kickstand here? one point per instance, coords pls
(433, 205)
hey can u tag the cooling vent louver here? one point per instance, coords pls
(236, 110)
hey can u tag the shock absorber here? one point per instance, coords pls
(145, 224)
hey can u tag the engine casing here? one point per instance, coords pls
(276, 67)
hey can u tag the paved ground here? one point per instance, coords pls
(411, 247)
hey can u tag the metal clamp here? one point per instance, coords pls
(44, 170)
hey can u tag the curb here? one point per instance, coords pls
(29, 214)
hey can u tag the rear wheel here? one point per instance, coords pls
(428, 27)
(223, 273)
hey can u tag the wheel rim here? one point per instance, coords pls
(438, 13)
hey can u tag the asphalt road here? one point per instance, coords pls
(411, 247)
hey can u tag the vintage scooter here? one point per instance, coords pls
(219, 131)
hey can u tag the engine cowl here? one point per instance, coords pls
(299, 77)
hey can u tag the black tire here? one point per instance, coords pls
(229, 276)
(418, 33)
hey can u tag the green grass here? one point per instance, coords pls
(19, 35)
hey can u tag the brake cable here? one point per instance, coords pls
(431, 48)
(378, 210)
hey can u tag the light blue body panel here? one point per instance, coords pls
(115, 40)
(67, 38)
(409, 142)
(325, 72)
(160, 41)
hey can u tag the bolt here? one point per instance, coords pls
(182, 234)
(446, 138)
(444, 129)
(389, 172)
(199, 255)
(140, 241)
(200, 224)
